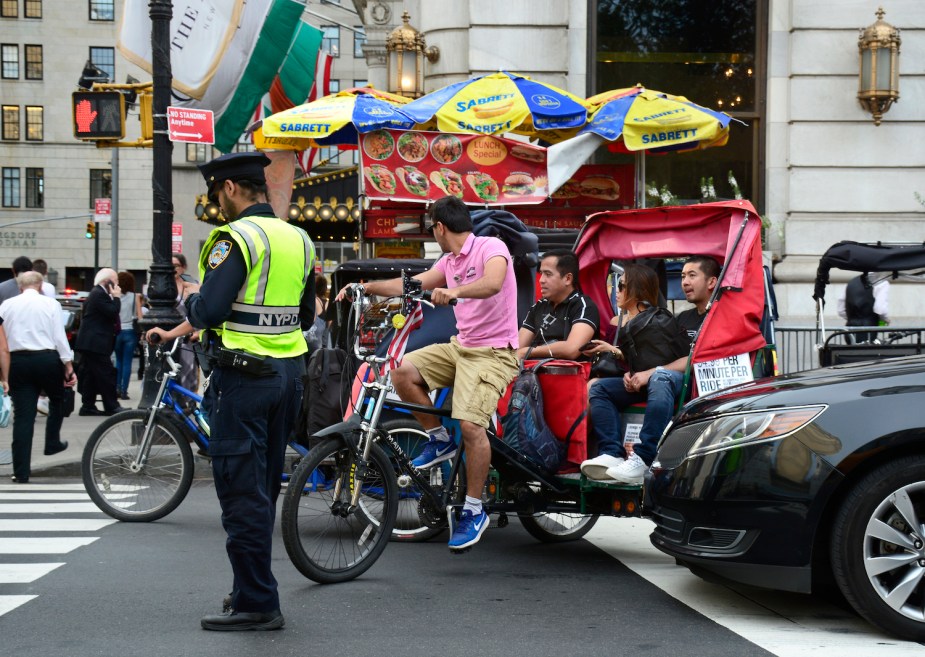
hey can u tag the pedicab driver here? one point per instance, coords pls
(254, 306)
(478, 363)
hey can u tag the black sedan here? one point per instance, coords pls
(795, 482)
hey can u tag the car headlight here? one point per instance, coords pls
(729, 431)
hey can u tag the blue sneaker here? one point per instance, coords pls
(435, 451)
(469, 530)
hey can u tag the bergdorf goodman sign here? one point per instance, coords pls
(18, 238)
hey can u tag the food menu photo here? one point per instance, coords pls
(479, 169)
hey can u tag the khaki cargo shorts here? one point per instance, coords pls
(478, 376)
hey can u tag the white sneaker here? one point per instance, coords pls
(631, 471)
(596, 468)
(42, 406)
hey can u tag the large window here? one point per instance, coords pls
(11, 122)
(34, 66)
(712, 53)
(100, 185)
(105, 60)
(10, 187)
(330, 40)
(35, 188)
(359, 38)
(33, 9)
(198, 152)
(35, 123)
(102, 10)
(9, 55)
(9, 9)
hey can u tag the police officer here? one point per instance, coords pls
(254, 306)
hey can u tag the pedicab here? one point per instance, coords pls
(342, 503)
(875, 262)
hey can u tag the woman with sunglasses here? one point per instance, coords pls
(637, 294)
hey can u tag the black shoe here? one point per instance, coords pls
(113, 411)
(124, 396)
(60, 447)
(17, 480)
(239, 621)
(91, 410)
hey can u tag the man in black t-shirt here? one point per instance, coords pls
(564, 320)
(698, 280)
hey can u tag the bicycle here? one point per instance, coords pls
(137, 465)
(340, 507)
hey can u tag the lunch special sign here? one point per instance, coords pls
(426, 166)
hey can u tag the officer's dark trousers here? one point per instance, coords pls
(31, 372)
(251, 418)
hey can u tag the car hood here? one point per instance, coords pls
(812, 386)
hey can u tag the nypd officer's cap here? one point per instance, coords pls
(234, 167)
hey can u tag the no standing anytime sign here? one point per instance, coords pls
(191, 125)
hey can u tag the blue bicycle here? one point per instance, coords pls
(138, 465)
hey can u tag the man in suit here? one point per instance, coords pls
(95, 341)
(10, 288)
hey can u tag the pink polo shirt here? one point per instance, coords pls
(490, 322)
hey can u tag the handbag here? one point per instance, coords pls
(606, 365)
(67, 406)
(6, 407)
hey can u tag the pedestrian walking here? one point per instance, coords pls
(41, 267)
(127, 338)
(34, 356)
(255, 388)
(96, 339)
(10, 288)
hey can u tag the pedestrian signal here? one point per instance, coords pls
(91, 230)
(98, 114)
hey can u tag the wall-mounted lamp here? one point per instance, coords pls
(406, 50)
(878, 83)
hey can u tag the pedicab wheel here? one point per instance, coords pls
(557, 527)
(878, 547)
(130, 493)
(327, 539)
(410, 523)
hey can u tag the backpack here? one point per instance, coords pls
(525, 428)
(653, 338)
(325, 396)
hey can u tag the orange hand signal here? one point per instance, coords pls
(84, 116)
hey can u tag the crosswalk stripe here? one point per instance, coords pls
(23, 573)
(10, 602)
(64, 507)
(48, 545)
(18, 488)
(818, 629)
(54, 524)
(59, 497)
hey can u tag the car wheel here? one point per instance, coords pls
(878, 547)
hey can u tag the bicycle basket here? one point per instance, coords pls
(376, 322)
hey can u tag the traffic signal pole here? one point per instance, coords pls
(162, 290)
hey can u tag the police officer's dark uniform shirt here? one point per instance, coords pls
(212, 305)
(552, 323)
(690, 321)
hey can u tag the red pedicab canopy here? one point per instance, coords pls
(732, 325)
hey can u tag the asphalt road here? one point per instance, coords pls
(140, 589)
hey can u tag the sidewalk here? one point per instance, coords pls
(75, 431)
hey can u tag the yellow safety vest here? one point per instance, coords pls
(264, 317)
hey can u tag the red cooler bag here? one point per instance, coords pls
(565, 405)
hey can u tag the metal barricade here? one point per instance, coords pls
(798, 347)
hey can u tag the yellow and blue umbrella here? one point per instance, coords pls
(644, 119)
(336, 119)
(498, 103)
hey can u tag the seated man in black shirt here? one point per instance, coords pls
(698, 279)
(564, 320)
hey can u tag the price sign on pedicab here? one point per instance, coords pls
(426, 166)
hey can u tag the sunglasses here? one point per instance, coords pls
(430, 229)
(621, 286)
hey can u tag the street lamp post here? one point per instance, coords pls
(162, 290)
